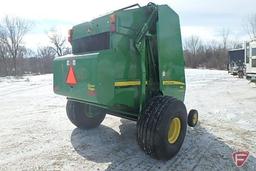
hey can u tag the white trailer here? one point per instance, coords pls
(250, 60)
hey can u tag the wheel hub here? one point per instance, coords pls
(174, 130)
(194, 119)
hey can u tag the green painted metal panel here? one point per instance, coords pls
(170, 54)
(116, 78)
(93, 27)
(100, 71)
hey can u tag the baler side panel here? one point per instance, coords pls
(85, 72)
(170, 54)
(127, 60)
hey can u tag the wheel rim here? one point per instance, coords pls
(194, 119)
(174, 130)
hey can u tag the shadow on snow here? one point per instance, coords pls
(201, 150)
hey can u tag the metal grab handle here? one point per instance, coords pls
(128, 7)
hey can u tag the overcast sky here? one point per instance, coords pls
(204, 18)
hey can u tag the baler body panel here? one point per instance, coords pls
(116, 77)
(170, 53)
(98, 80)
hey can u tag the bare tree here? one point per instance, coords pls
(235, 44)
(12, 32)
(58, 41)
(206, 55)
(46, 55)
(192, 44)
(250, 26)
(4, 60)
(45, 52)
(225, 35)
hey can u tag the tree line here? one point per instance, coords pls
(214, 54)
(16, 59)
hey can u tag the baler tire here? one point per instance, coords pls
(192, 118)
(78, 114)
(155, 123)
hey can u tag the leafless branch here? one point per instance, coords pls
(58, 42)
(12, 32)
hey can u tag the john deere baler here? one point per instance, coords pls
(129, 63)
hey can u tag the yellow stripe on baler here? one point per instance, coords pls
(170, 82)
(127, 83)
(137, 83)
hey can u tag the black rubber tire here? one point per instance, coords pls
(191, 114)
(78, 114)
(153, 127)
(240, 74)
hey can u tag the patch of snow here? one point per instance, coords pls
(37, 135)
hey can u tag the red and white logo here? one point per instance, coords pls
(240, 157)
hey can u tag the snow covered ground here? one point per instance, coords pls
(36, 134)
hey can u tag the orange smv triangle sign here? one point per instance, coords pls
(71, 78)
